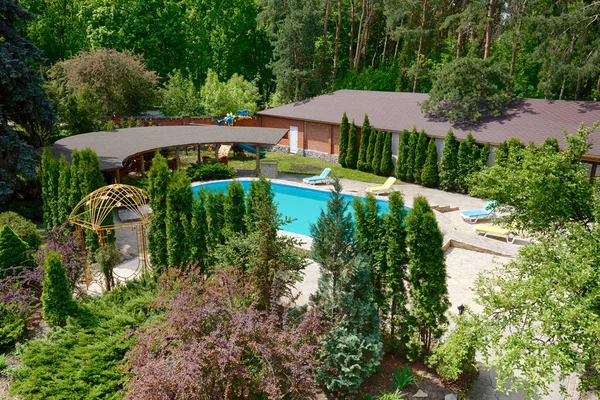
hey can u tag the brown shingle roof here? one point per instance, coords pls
(114, 147)
(528, 119)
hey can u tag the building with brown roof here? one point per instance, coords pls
(314, 123)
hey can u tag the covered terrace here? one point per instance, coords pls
(115, 148)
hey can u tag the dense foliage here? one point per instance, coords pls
(13, 251)
(84, 357)
(364, 162)
(343, 146)
(219, 98)
(22, 227)
(180, 96)
(57, 299)
(157, 186)
(387, 162)
(352, 154)
(429, 175)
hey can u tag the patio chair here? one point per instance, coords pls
(324, 177)
(486, 212)
(486, 230)
(385, 188)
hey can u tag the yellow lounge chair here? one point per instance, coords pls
(486, 230)
(386, 187)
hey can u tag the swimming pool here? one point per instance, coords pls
(302, 204)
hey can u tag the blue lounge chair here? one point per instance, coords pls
(324, 177)
(486, 212)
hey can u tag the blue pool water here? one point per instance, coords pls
(302, 204)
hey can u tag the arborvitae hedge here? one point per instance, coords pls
(159, 177)
(449, 163)
(344, 132)
(365, 134)
(199, 239)
(57, 299)
(420, 156)
(426, 273)
(378, 153)
(402, 162)
(352, 153)
(64, 185)
(180, 202)
(387, 162)
(468, 161)
(429, 175)
(235, 208)
(410, 161)
(371, 149)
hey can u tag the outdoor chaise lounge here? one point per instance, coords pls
(486, 212)
(386, 187)
(324, 177)
(486, 230)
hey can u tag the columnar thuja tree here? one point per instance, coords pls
(420, 156)
(468, 160)
(394, 312)
(369, 239)
(351, 351)
(410, 159)
(180, 202)
(378, 153)
(387, 162)
(159, 177)
(426, 273)
(235, 208)
(199, 238)
(371, 150)
(352, 154)
(57, 299)
(215, 217)
(449, 163)
(402, 162)
(344, 132)
(50, 187)
(64, 184)
(429, 175)
(365, 134)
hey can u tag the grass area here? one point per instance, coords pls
(292, 164)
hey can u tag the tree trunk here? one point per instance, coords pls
(581, 61)
(324, 44)
(492, 5)
(567, 56)
(336, 51)
(385, 41)
(420, 49)
(358, 49)
(352, 19)
(517, 40)
(461, 35)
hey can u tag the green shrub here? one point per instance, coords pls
(210, 171)
(31, 209)
(22, 227)
(107, 257)
(13, 251)
(396, 395)
(456, 355)
(12, 325)
(57, 299)
(403, 378)
(352, 153)
(343, 147)
(84, 359)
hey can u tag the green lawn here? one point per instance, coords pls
(292, 164)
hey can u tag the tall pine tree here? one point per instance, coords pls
(426, 273)
(352, 154)
(429, 175)
(449, 163)
(365, 134)
(420, 156)
(344, 133)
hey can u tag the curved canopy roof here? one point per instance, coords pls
(116, 146)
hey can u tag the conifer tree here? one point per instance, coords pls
(49, 178)
(378, 153)
(550, 144)
(369, 240)
(64, 184)
(365, 134)
(13, 251)
(402, 162)
(344, 132)
(75, 194)
(256, 194)
(387, 162)
(394, 311)
(371, 150)
(468, 159)
(215, 217)
(352, 154)
(235, 208)
(159, 177)
(420, 156)
(180, 201)
(199, 239)
(57, 299)
(412, 152)
(426, 273)
(429, 175)
(449, 163)
(484, 154)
